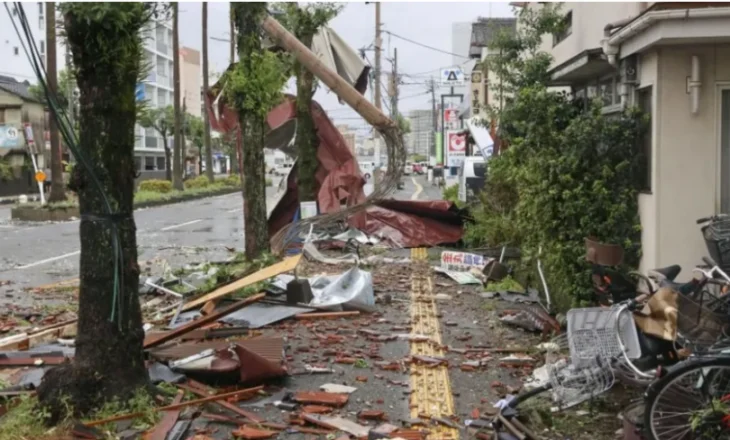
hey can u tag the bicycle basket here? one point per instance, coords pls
(573, 385)
(717, 240)
(592, 331)
(698, 326)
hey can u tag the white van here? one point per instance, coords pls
(472, 177)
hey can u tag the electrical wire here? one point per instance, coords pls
(425, 45)
(69, 136)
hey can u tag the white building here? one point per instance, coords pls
(422, 132)
(158, 92)
(15, 60)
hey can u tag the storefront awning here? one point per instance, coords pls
(479, 130)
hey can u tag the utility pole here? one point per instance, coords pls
(434, 119)
(394, 102)
(57, 188)
(233, 37)
(378, 47)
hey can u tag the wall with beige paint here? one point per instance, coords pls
(686, 151)
(588, 21)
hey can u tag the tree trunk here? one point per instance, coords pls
(109, 361)
(177, 171)
(254, 184)
(58, 191)
(206, 121)
(307, 140)
(168, 159)
(252, 131)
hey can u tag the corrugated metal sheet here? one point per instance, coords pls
(271, 349)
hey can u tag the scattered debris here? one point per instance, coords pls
(338, 389)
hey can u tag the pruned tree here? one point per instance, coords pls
(304, 21)
(253, 88)
(206, 121)
(107, 48)
(162, 120)
(195, 133)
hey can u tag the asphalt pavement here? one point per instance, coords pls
(168, 237)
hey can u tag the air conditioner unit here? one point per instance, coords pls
(629, 70)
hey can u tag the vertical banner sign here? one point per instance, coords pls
(455, 148)
(439, 149)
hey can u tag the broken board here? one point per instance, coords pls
(283, 266)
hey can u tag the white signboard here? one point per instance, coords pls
(480, 133)
(462, 261)
(453, 76)
(455, 148)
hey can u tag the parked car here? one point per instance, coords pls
(472, 177)
(408, 169)
(283, 169)
(417, 168)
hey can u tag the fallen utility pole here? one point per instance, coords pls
(335, 83)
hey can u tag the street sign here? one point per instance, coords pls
(452, 76)
(455, 148)
(40, 176)
(28, 134)
(9, 137)
(451, 115)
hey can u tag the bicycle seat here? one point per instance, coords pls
(668, 273)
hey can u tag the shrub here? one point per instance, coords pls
(451, 193)
(269, 182)
(231, 180)
(156, 185)
(197, 182)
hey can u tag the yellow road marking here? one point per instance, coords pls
(431, 388)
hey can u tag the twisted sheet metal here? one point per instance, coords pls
(397, 155)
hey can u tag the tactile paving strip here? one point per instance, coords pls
(430, 386)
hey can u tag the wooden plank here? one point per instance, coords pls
(159, 431)
(177, 406)
(286, 265)
(327, 315)
(230, 407)
(202, 321)
(49, 333)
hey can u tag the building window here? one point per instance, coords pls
(160, 163)
(566, 31)
(149, 163)
(15, 50)
(644, 98)
(137, 163)
(43, 47)
(2, 115)
(40, 8)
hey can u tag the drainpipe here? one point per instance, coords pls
(694, 84)
(612, 51)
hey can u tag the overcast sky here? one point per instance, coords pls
(427, 23)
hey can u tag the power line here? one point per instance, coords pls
(425, 45)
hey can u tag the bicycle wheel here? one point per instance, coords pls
(692, 402)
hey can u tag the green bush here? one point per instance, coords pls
(197, 182)
(451, 193)
(568, 171)
(156, 185)
(269, 182)
(231, 180)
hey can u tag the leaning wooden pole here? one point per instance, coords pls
(336, 84)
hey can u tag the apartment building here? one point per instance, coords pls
(349, 136)
(673, 61)
(422, 133)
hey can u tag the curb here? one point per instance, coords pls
(174, 200)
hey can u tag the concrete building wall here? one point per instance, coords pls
(190, 80)
(588, 21)
(686, 183)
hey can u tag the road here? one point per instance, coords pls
(168, 236)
